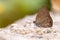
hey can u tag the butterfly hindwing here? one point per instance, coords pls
(43, 18)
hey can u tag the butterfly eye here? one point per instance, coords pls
(37, 24)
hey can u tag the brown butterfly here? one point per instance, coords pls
(43, 18)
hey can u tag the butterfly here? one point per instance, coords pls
(43, 18)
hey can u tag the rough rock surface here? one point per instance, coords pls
(25, 29)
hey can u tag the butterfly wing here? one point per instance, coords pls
(43, 18)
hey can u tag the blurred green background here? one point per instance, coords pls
(12, 10)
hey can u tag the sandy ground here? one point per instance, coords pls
(25, 29)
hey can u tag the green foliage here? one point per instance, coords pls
(16, 9)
